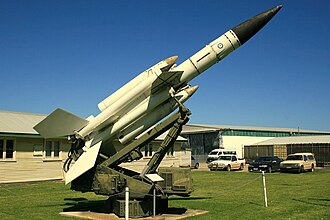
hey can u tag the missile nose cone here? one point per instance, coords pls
(171, 60)
(191, 90)
(247, 29)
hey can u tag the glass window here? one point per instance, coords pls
(48, 149)
(1, 149)
(9, 149)
(56, 148)
(310, 157)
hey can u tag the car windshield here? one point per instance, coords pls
(225, 158)
(294, 157)
(261, 159)
(213, 152)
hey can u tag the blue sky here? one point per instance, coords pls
(73, 54)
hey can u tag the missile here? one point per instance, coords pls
(224, 45)
(142, 120)
(146, 99)
(156, 115)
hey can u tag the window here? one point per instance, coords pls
(56, 148)
(7, 149)
(37, 150)
(310, 157)
(10, 149)
(52, 149)
(170, 151)
(1, 148)
(148, 150)
(48, 150)
(305, 158)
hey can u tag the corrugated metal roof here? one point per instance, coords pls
(19, 122)
(322, 139)
(195, 128)
(23, 123)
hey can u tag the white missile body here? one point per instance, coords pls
(146, 99)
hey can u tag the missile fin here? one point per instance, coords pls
(60, 123)
(85, 162)
(170, 78)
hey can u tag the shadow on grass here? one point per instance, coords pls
(316, 201)
(83, 205)
(176, 211)
(102, 206)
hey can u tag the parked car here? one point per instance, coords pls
(216, 153)
(228, 162)
(299, 162)
(194, 163)
(268, 164)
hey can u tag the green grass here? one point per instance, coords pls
(239, 195)
(226, 195)
(39, 200)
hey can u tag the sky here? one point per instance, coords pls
(74, 53)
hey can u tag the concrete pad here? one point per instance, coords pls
(172, 215)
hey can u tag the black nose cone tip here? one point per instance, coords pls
(247, 29)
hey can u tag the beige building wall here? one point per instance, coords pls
(30, 162)
(237, 142)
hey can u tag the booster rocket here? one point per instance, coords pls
(146, 99)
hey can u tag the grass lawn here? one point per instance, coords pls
(226, 195)
(239, 195)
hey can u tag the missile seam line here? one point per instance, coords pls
(194, 66)
(236, 38)
(203, 57)
(230, 41)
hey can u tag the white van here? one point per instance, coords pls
(216, 153)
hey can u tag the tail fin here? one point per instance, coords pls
(60, 123)
(85, 162)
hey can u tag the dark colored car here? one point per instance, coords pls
(268, 164)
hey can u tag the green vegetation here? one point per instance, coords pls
(226, 195)
(39, 200)
(239, 195)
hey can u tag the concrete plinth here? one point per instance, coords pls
(172, 214)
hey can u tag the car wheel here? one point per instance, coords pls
(228, 168)
(196, 165)
(301, 170)
(312, 169)
(269, 169)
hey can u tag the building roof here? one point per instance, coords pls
(19, 122)
(201, 128)
(322, 139)
(23, 123)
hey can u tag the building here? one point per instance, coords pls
(26, 156)
(203, 138)
(282, 146)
